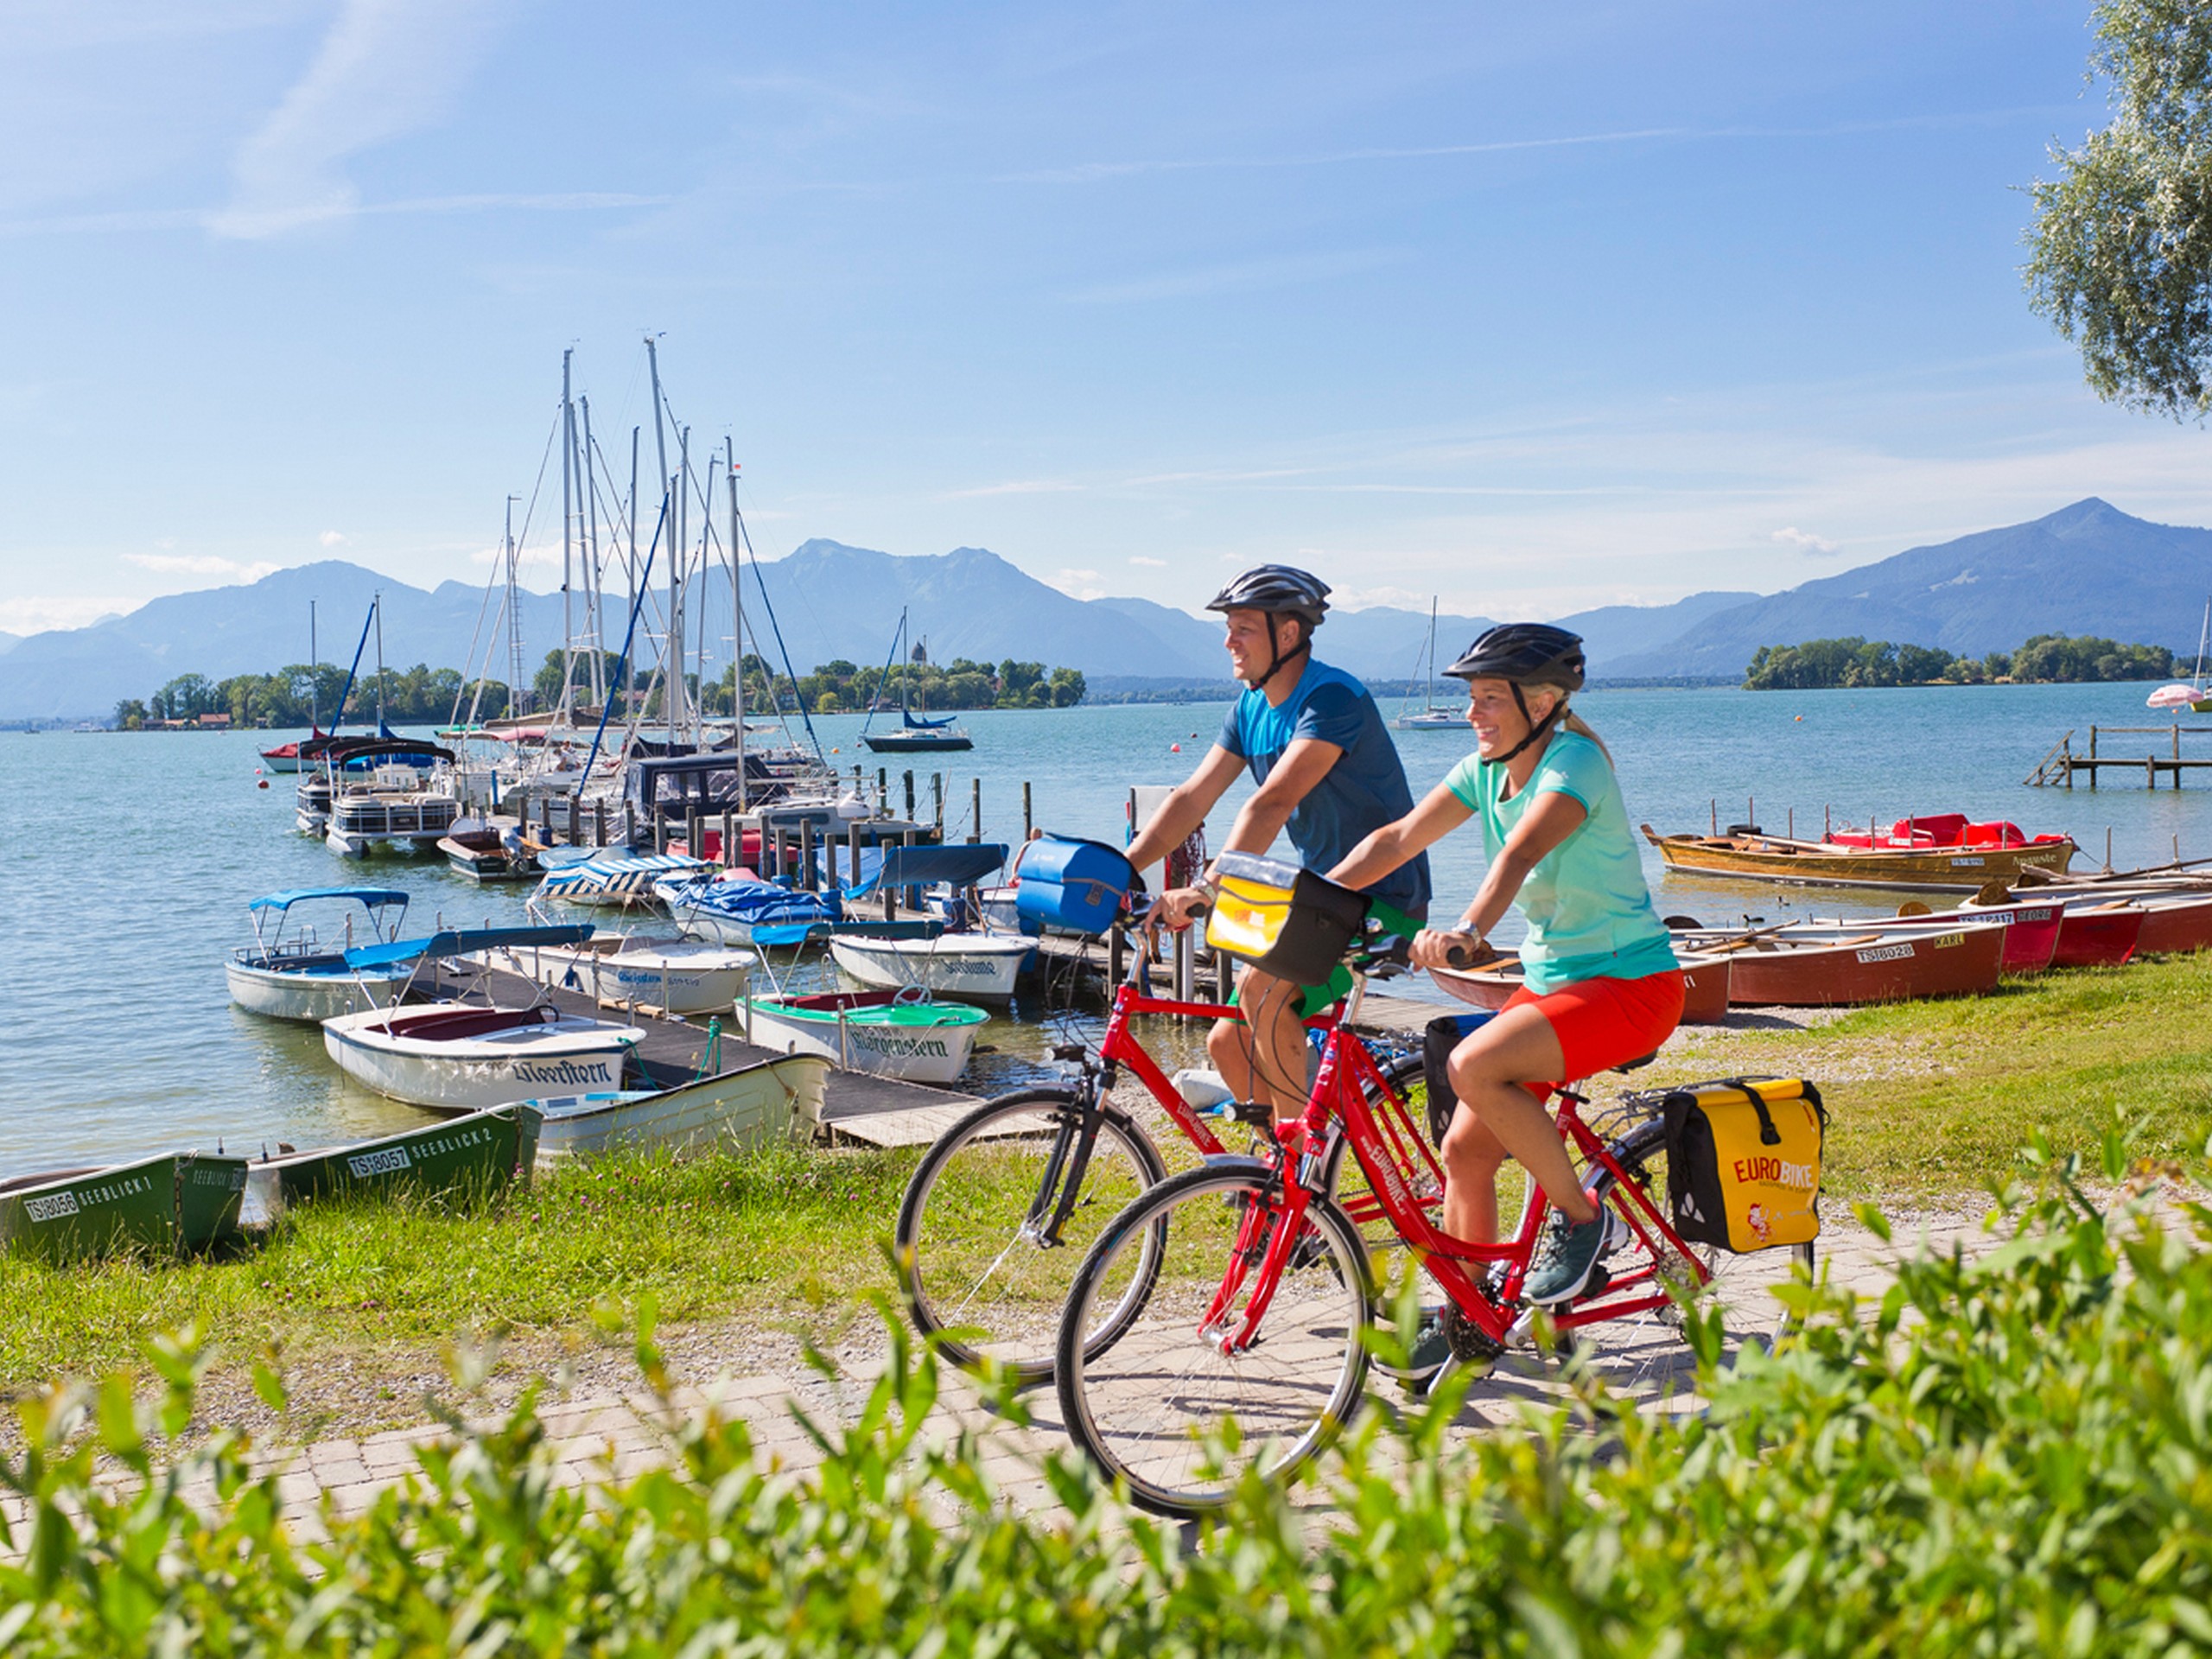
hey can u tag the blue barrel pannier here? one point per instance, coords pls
(1071, 884)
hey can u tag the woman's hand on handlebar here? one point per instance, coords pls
(1442, 948)
(1175, 907)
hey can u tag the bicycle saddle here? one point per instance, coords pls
(1640, 1060)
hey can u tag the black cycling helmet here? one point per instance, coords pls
(1526, 653)
(1273, 588)
(1279, 590)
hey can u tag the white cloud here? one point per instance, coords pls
(200, 564)
(387, 68)
(333, 538)
(1019, 487)
(1803, 541)
(1149, 564)
(1080, 584)
(55, 611)
(1367, 599)
(530, 558)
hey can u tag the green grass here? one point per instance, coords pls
(712, 1238)
(1930, 1099)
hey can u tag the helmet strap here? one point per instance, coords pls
(1536, 727)
(1277, 662)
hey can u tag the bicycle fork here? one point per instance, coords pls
(1266, 1235)
(1061, 1181)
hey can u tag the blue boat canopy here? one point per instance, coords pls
(460, 941)
(374, 898)
(960, 866)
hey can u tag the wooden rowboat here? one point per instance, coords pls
(1704, 985)
(2100, 935)
(1875, 965)
(1819, 863)
(770, 1100)
(2031, 929)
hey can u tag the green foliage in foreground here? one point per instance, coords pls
(2045, 658)
(2010, 1457)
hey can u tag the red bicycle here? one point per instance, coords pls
(999, 1214)
(1244, 1289)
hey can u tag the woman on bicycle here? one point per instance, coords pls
(1602, 984)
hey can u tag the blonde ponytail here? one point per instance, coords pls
(1574, 722)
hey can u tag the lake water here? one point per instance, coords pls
(126, 861)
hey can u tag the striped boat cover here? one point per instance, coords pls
(616, 876)
(761, 903)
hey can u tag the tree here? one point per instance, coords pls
(2122, 246)
(129, 715)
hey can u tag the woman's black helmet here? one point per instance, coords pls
(1526, 653)
(1276, 589)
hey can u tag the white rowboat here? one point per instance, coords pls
(957, 965)
(457, 1057)
(762, 1102)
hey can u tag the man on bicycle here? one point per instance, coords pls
(1327, 774)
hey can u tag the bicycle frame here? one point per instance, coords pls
(1338, 1107)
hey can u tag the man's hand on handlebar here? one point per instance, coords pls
(1440, 948)
(1177, 906)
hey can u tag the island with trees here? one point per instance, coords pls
(2043, 660)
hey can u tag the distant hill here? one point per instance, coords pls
(2087, 568)
(8, 642)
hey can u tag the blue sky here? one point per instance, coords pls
(1537, 308)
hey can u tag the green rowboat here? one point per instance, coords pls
(163, 1206)
(476, 1153)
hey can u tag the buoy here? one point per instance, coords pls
(1174, 748)
(264, 784)
(1800, 720)
(835, 750)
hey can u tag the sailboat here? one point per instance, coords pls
(1430, 718)
(2189, 694)
(914, 734)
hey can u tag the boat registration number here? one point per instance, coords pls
(1886, 953)
(377, 1163)
(1975, 863)
(52, 1207)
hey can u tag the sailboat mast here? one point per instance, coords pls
(314, 685)
(630, 581)
(514, 624)
(567, 542)
(594, 578)
(377, 607)
(736, 639)
(672, 649)
(1428, 691)
(2203, 636)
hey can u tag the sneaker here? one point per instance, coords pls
(1576, 1248)
(1432, 1349)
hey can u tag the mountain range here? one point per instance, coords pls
(2086, 569)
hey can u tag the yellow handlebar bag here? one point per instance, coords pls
(1744, 1161)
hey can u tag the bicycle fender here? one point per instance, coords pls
(1238, 1160)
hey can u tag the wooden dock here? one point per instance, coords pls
(2059, 768)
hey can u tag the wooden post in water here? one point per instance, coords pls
(806, 854)
(910, 794)
(599, 822)
(975, 809)
(907, 839)
(731, 847)
(1716, 815)
(1793, 823)
(1027, 823)
(937, 794)
(1115, 946)
(853, 848)
(693, 838)
(883, 789)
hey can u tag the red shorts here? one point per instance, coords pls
(1602, 1022)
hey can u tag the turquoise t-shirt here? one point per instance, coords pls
(1589, 913)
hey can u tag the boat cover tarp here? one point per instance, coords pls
(374, 898)
(807, 932)
(455, 942)
(625, 875)
(757, 904)
(960, 866)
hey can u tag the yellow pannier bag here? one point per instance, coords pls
(1744, 1161)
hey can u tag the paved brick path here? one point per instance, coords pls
(599, 1437)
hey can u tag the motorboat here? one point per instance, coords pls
(617, 881)
(891, 1034)
(766, 1101)
(299, 975)
(161, 1206)
(487, 850)
(388, 764)
(1706, 985)
(728, 911)
(961, 965)
(456, 1055)
(675, 976)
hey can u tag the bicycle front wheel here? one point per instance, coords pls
(1164, 1408)
(980, 1254)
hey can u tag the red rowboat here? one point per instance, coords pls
(2031, 929)
(2174, 925)
(1879, 965)
(1704, 985)
(2099, 935)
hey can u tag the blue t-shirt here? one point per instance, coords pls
(1589, 909)
(1365, 790)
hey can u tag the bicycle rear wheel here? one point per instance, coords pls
(1155, 1406)
(974, 1256)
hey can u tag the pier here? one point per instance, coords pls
(2059, 768)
